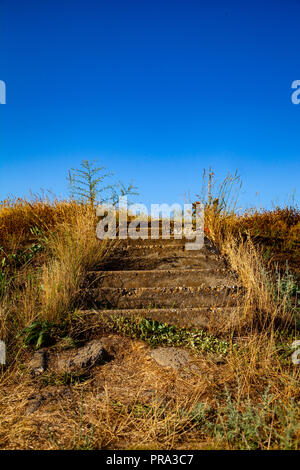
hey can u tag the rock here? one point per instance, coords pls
(91, 354)
(219, 360)
(36, 400)
(34, 403)
(170, 357)
(39, 362)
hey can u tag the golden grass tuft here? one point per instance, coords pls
(75, 250)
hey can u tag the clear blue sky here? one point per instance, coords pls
(155, 89)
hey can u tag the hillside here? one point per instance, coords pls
(128, 344)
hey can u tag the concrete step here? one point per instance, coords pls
(159, 249)
(141, 232)
(161, 278)
(159, 297)
(159, 242)
(173, 259)
(182, 317)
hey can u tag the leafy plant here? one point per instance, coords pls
(251, 426)
(156, 333)
(86, 182)
(4, 280)
(21, 257)
(287, 290)
(87, 185)
(120, 190)
(39, 334)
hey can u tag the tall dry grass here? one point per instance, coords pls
(75, 250)
(47, 289)
(258, 245)
(19, 216)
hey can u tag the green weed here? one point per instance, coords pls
(160, 334)
(40, 334)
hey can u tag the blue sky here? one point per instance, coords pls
(155, 90)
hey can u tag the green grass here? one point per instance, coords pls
(41, 333)
(245, 425)
(65, 378)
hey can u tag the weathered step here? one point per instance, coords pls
(162, 260)
(147, 239)
(159, 297)
(161, 278)
(160, 232)
(155, 244)
(159, 246)
(171, 242)
(160, 250)
(182, 317)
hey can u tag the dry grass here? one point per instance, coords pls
(19, 216)
(75, 250)
(247, 400)
(251, 245)
(46, 287)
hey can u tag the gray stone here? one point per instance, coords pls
(93, 353)
(170, 357)
(39, 362)
(34, 403)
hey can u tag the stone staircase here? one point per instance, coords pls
(161, 280)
